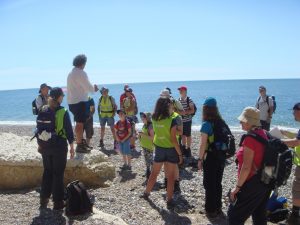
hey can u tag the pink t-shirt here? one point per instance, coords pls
(255, 146)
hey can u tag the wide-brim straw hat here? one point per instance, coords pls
(251, 116)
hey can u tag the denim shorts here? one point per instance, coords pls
(165, 155)
(110, 121)
(125, 147)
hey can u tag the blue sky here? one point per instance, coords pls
(140, 41)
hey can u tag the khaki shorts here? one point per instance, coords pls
(296, 184)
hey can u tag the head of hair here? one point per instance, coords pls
(210, 113)
(161, 110)
(79, 60)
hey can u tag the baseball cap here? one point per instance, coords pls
(182, 88)
(56, 92)
(296, 106)
(121, 110)
(210, 101)
(44, 85)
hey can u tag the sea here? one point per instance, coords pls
(232, 96)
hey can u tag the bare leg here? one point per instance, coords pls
(153, 176)
(189, 142)
(171, 167)
(184, 140)
(113, 132)
(79, 132)
(102, 132)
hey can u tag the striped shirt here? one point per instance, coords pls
(184, 103)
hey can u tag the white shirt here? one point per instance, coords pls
(263, 107)
(78, 86)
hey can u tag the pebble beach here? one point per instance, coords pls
(120, 197)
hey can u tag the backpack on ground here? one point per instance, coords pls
(267, 100)
(195, 107)
(224, 141)
(45, 129)
(78, 201)
(277, 162)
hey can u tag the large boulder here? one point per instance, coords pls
(21, 165)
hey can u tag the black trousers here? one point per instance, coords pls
(251, 200)
(265, 125)
(213, 169)
(54, 162)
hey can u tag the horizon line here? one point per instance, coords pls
(173, 81)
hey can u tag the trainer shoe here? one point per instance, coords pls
(101, 144)
(81, 148)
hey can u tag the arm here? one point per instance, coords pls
(245, 171)
(271, 107)
(203, 145)
(117, 137)
(128, 135)
(291, 142)
(175, 143)
(86, 84)
(39, 102)
(191, 109)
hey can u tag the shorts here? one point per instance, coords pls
(187, 129)
(88, 128)
(296, 184)
(79, 111)
(265, 125)
(110, 121)
(165, 155)
(125, 147)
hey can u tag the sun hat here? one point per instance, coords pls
(104, 89)
(251, 116)
(210, 101)
(165, 93)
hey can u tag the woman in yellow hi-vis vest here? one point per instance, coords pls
(167, 150)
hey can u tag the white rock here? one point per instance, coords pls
(21, 165)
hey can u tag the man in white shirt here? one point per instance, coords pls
(266, 107)
(79, 87)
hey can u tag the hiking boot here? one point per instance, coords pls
(86, 145)
(128, 168)
(44, 202)
(59, 205)
(293, 219)
(177, 189)
(101, 144)
(124, 167)
(148, 173)
(188, 152)
(81, 148)
(170, 204)
(212, 215)
(145, 196)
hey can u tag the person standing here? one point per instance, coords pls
(167, 150)
(266, 107)
(42, 98)
(209, 161)
(88, 126)
(106, 109)
(250, 195)
(55, 158)
(187, 117)
(79, 86)
(294, 218)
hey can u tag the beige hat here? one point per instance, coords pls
(251, 116)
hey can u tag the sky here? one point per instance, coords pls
(129, 41)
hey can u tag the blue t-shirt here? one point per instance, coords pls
(298, 135)
(207, 128)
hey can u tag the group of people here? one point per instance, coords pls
(166, 141)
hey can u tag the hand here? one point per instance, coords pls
(96, 87)
(233, 194)
(72, 152)
(200, 165)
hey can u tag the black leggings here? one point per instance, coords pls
(251, 200)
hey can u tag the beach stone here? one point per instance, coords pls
(21, 165)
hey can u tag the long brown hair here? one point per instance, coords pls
(161, 110)
(210, 113)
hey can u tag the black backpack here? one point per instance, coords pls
(78, 200)
(45, 128)
(35, 110)
(277, 162)
(195, 107)
(224, 141)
